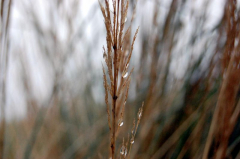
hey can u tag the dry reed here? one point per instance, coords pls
(117, 61)
(177, 112)
(223, 123)
(4, 20)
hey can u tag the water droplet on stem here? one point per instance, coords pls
(125, 153)
(132, 141)
(139, 115)
(125, 74)
(126, 67)
(120, 122)
(122, 151)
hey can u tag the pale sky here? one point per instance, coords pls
(22, 38)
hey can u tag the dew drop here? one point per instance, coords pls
(120, 122)
(127, 66)
(122, 151)
(132, 141)
(125, 74)
(125, 153)
(139, 115)
(125, 20)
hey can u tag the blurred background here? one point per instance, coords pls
(52, 94)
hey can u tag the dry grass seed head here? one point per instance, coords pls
(116, 61)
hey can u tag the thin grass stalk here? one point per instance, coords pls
(134, 129)
(39, 121)
(115, 47)
(228, 92)
(3, 70)
(175, 136)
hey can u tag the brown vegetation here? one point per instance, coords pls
(189, 83)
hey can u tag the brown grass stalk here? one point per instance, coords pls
(222, 126)
(175, 136)
(5, 18)
(117, 64)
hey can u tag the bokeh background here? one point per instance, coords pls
(52, 94)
